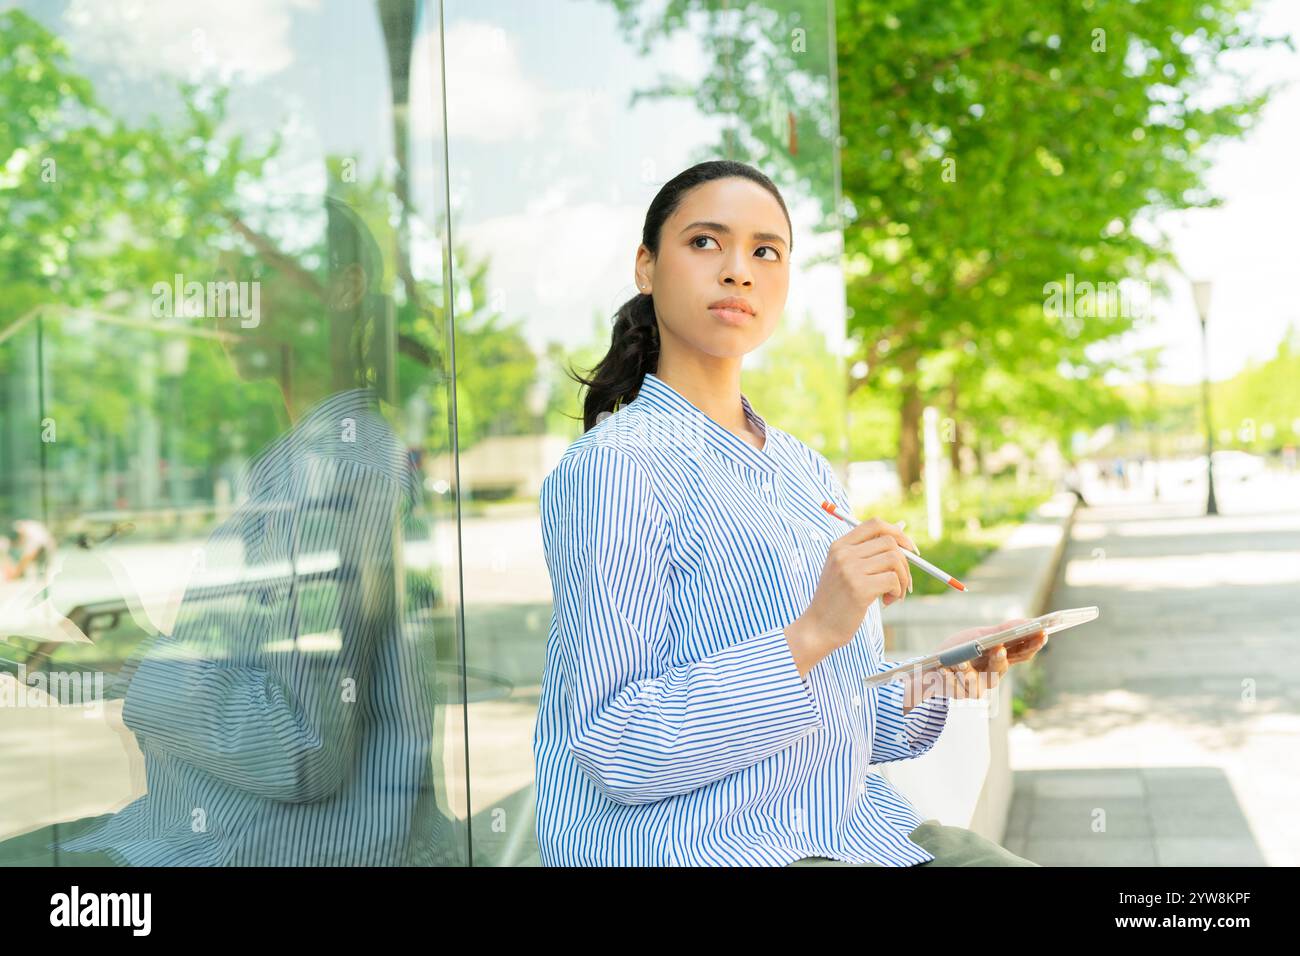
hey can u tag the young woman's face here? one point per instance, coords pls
(727, 238)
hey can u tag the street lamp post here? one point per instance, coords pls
(1201, 293)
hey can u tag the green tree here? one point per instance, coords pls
(993, 148)
(1260, 406)
(988, 149)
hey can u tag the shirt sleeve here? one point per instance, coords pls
(902, 736)
(641, 727)
(263, 685)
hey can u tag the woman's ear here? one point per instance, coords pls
(346, 288)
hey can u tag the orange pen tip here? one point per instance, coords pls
(827, 506)
(957, 584)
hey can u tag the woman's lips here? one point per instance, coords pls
(731, 316)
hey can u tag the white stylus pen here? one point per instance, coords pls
(916, 559)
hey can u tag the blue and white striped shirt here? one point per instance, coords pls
(287, 720)
(674, 728)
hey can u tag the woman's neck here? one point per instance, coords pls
(716, 392)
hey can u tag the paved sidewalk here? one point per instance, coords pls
(1170, 731)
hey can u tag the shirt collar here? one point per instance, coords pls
(664, 399)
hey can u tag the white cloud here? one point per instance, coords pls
(246, 38)
(489, 99)
(559, 261)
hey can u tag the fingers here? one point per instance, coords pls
(959, 682)
(949, 682)
(883, 553)
(965, 686)
(1024, 648)
(1024, 639)
(874, 528)
(993, 661)
(887, 584)
(967, 681)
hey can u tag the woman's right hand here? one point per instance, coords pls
(865, 564)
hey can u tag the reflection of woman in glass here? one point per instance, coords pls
(287, 720)
(702, 702)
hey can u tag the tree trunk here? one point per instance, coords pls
(954, 445)
(909, 427)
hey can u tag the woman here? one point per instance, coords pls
(702, 699)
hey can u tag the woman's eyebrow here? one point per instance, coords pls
(719, 227)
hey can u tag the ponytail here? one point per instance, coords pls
(633, 351)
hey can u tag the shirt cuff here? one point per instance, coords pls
(925, 722)
(900, 736)
(778, 646)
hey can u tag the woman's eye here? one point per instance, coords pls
(775, 257)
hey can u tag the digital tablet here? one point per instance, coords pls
(1048, 623)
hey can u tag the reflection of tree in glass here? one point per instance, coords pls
(289, 717)
(766, 67)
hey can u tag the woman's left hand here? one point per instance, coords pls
(973, 678)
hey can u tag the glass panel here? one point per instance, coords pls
(230, 607)
(561, 129)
